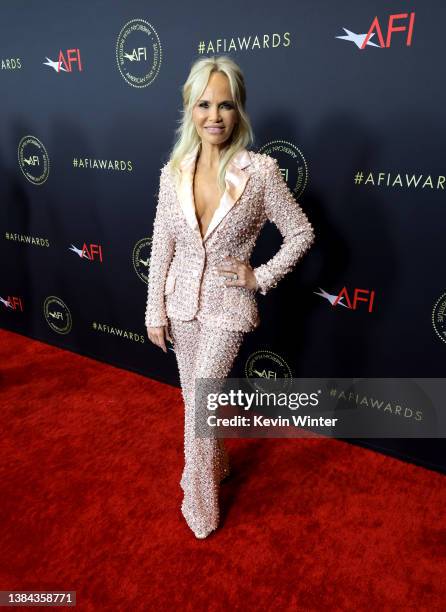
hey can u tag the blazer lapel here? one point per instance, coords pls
(236, 178)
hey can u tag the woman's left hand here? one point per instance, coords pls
(245, 275)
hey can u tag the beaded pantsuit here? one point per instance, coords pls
(202, 352)
(209, 316)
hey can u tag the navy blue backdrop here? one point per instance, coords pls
(91, 94)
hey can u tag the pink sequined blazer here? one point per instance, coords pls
(183, 280)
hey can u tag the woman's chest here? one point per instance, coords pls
(206, 196)
(239, 216)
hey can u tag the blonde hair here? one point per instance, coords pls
(186, 134)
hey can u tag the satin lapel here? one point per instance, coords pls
(185, 190)
(236, 178)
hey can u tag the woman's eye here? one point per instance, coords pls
(226, 104)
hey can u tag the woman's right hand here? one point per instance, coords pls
(158, 336)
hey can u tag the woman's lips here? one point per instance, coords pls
(214, 130)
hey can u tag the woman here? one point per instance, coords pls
(214, 199)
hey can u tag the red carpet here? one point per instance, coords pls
(91, 458)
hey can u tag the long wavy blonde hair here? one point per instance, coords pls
(186, 134)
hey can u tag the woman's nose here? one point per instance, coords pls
(214, 113)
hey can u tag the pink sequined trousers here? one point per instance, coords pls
(202, 352)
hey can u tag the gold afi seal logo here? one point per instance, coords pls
(138, 53)
(33, 159)
(57, 315)
(266, 365)
(439, 317)
(141, 258)
(291, 162)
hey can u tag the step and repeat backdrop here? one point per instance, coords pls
(349, 97)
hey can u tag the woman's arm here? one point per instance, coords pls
(163, 247)
(298, 235)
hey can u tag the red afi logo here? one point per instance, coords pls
(391, 28)
(357, 297)
(73, 56)
(91, 251)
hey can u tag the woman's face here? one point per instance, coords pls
(215, 114)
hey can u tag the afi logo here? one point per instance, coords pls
(361, 40)
(353, 302)
(269, 374)
(58, 316)
(13, 302)
(137, 55)
(66, 61)
(368, 297)
(32, 160)
(91, 252)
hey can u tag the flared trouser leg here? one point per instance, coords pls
(202, 352)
